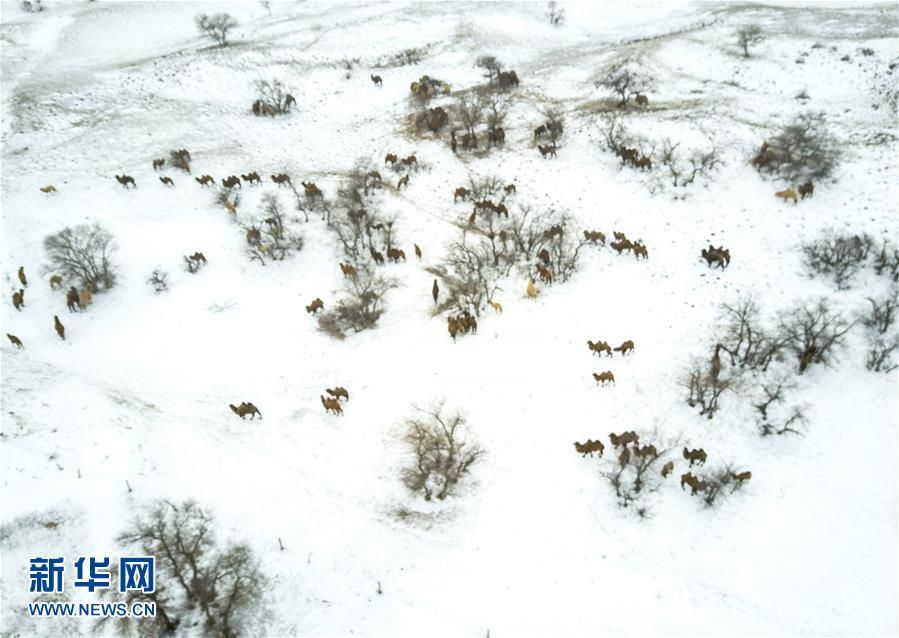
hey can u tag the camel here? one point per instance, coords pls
(312, 190)
(545, 275)
(124, 180)
(787, 194)
(316, 305)
(461, 193)
(696, 485)
(18, 299)
(377, 256)
(60, 329)
(49, 188)
(251, 178)
(158, 163)
(547, 150)
(395, 254)
(404, 181)
(646, 450)
(624, 438)
(22, 278)
(390, 158)
(604, 377)
(244, 409)
(55, 282)
(599, 347)
(594, 236)
(497, 307)
(231, 182)
(376, 79)
(720, 256)
(85, 297)
(347, 270)
(624, 348)
(625, 457)
(532, 290)
(338, 392)
(410, 160)
(623, 244)
(281, 179)
(205, 180)
(72, 299)
(806, 190)
(589, 447)
(619, 236)
(641, 100)
(167, 181)
(435, 290)
(509, 189)
(695, 456)
(15, 341)
(539, 132)
(667, 469)
(417, 251)
(331, 405)
(742, 476)
(543, 256)
(640, 251)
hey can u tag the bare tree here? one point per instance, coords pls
(216, 26)
(685, 170)
(815, 332)
(441, 453)
(194, 573)
(802, 150)
(772, 395)
(471, 109)
(362, 306)
(886, 262)
(614, 132)
(555, 122)
(274, 94)
(745, 340)
(633, 475)
(491, 67)
(705, 388)
(840, 256)
(625, 80)
(555, 14)
(83, 253)
(883, 338)
(749, 36)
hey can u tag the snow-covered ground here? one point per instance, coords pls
(534, 543)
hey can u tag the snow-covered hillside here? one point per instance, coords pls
(133, 405)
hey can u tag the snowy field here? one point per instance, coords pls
(132, 406)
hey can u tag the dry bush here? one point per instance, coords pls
(815, 333)
(638, 477)
(83, 253)
(839, 256)
(441, 453)
(362, 306)
(773, 419)
(217, 26)
(217, 590)
(624, 78)
(745, 340)
(274, 94)
(749, 35)
(883, 337)
(159, 280)
(886, 262)
(802, 150)
(706, 387)
(684, 168)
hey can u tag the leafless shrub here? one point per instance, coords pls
(159, 280)
(773, 420)
(83, 253)
(31, 6)
(216, 26)
(441, 452)
(803, 150)
(748, 344)
(555, 14)
(624, 79)
(883, 338)
(274, 94)
(614, 132)
(815, 333)
(555, 121)
(355, 217)
(886, 262)
(268, 236)
(749, 35)
(840, 256)
(217, 590)
(362, 306)
(705, 388)
(637, 476)
(717, 483)
(470, 109)
(685, 168)
(491, 67)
